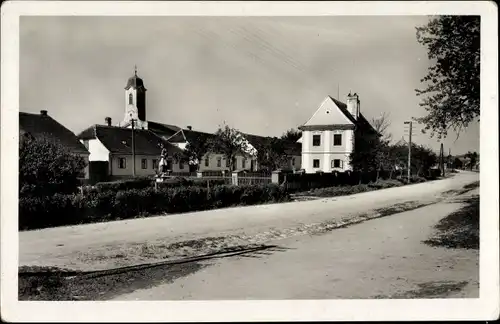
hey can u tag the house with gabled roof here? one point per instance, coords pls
(113, 144)
(328, 137)
(43, 125)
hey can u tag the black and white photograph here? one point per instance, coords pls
(286, 157)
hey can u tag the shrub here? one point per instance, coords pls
(135, 183)
(108, 205)
(46, 167)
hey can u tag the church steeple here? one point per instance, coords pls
(135, 100)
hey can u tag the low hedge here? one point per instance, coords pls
(94, 206)
(143, 183)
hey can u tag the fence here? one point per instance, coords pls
(252, 180)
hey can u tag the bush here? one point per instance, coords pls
(109, 205)
(46, 167)
(135, 183)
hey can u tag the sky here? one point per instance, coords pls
(261, 75)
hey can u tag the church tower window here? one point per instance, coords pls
(130, 99)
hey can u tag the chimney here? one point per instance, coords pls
(43, 112)
(190, 127)
(108, 121)
(353, 105)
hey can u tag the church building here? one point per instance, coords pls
(112, 145)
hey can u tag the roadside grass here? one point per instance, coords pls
(464, 189)
(459, 230)
(432, 289)
(50, 283)
(354, 189)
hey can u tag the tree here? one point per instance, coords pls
(230, 142)
(292, 135)
(472, 158)
(451, 95)
(198, 145)
(381, 124)
(367, 155)
(271, 154)
(457, 163)
(47, 167)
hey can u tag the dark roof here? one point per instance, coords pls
(192, 135)
(173, 133)
(135, 82)
(176, 134)
(118, 140)
(327, 127)
(291, 147)
(360, 121)
(38, 125)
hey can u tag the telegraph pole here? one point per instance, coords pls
(409, 149)
(442, 160)
(133, 149)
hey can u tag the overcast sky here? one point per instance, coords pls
(260, 75)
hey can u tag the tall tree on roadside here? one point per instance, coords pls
(231, 143)
(451, 93)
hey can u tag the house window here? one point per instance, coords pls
(155, 164)
(130, 99)
(181, 165)
(227, 163)
(122, 163)
(293, 161)
(219, 162)
(315, 163)
(144, 164)
(243, 163)
(316, 140)
(207, 162)
(337, 139)
(337, 163)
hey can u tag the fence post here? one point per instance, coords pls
(234, 178)
(275, 177)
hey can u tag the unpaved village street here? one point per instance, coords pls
(380, 258)
(368, 245)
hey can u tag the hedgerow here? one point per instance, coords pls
(95, 206)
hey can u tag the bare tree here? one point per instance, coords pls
(381, 124)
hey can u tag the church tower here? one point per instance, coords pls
(135, 102)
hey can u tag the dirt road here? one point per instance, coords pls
(122, 243)
(380, 258)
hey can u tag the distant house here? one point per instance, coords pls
(42, 125)
(113, 144)
(328, 137)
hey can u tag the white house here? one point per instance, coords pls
(328, 136)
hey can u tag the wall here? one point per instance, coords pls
(98, 152)
(213, 163)
(327, 151)
(139, 171)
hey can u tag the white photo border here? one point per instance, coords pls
(484, 308)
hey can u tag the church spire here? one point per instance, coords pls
(135, 70)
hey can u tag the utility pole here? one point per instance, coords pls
(442, 159)
(409, 149)
(133, 149)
